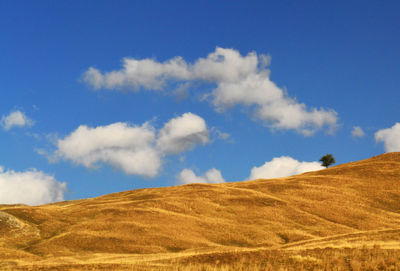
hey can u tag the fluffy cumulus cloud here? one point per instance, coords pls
(239, 80)
(134, 149)
(15, 119)
(30, 187)
(282, 167)
(126, 147)
(357, 132)
(390, 138)
(182, 133)
(211, 176)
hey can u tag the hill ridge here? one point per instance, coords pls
(352, 201)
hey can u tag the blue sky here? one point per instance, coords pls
(254, 82)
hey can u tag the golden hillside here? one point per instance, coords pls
(348, 207)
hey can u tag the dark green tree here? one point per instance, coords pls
(327, 160)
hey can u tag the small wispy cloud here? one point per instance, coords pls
(219, 134)
(357, 132)
(15, 119)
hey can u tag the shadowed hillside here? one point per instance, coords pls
(351, 207)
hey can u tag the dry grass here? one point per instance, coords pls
(342, 218)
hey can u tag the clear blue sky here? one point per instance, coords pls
(328, 55)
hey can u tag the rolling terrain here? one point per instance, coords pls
(347, 216)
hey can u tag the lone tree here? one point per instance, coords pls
(327, 160)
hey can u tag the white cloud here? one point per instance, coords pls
(129, 148)
(136, 74)
(182, 133)
(357, 132)
(390, 138)
(221, 135)
(282, 167)
(225, 65)
(182, 91)
(211, 176)
(30, 187)
(240, 80)
(136, 150)
(15, 119)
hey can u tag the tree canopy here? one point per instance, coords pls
(327, 160)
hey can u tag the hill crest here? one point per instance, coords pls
(349, 200)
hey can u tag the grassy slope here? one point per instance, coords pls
(344, 206)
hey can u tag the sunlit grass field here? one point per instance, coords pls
(343, 218)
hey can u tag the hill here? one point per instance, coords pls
(309, 218)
